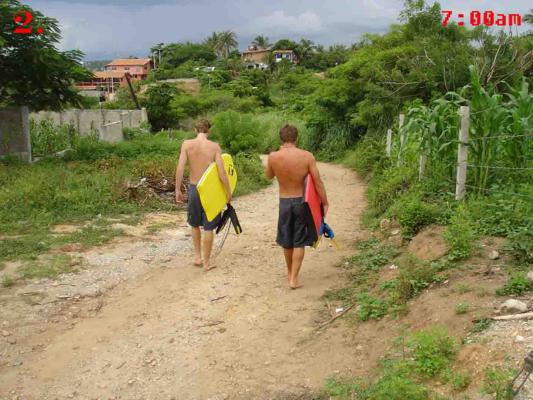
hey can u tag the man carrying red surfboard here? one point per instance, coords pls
(290, 165)
(199, 153)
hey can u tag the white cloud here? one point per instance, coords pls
(279, 22)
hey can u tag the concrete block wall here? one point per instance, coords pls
(88, 122)
(15, 133)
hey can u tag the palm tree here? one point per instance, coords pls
(261, 41)
(212, 40)
(528, 18)
(227, 41)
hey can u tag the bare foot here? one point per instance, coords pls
(208, 267)
(198, 262)
(295, 286)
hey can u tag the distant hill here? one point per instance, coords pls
(96, 65)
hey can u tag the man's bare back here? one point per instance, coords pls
(290, 165)
(201, 152)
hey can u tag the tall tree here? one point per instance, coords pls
(528, 18)
(33, 71)
(261, 41)
(227, 41)
(212, 41)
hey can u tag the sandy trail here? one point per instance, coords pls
(236, 332)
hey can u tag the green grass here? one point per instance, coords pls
(91, 186)
(421, 356)
(497, 382)
(8, 281)
(48, 267)
(517, 284)
(481, 324)
(462, 308)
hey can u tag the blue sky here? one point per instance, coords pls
(118, 28)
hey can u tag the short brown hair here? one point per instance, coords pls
(202, 126)
(288, 133)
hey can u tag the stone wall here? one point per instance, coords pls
(15, 133)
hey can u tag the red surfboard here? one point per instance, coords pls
(312, 199)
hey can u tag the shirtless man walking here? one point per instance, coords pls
(199, 153)
(290, 166)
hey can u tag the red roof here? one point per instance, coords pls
(109, 74)
(129, 62)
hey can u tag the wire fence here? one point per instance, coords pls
(481, 171)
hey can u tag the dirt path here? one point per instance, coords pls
(175, 332)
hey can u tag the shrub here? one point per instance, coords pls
(414, 277)
(462, 308)
(370, 307)
(386, 187)
(48, 138)
(460, 234)
(520, 244)
(517, 284)
(158, 106)
(250, 173)
(397, 387)
(368, 156)
(498, 382)
(432, 351)
(413, 213)
(237, 132)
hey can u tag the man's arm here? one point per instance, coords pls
(180, 170)
(269, 172)
(222, 172)
(320, 188)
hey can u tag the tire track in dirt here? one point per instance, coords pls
(235, 332)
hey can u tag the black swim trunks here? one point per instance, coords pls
(195, 212)
(293, 225)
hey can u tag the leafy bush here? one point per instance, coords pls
(250, 172)
(432, 351)
(462, 308)
(517, 284)
(413, 213)
(47, 138)
(498, 382)
(414, 277)
(237, 132)
(460, 234)
(520, 244)
(397, 387)
(370, 307)
(158, 106)
(373, 257)
(368, 156)
(386, 187)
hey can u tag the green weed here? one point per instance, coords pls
(49, 267)
(481, 324)
(463, 288)
(517, 284)
(498, 383)
(432, 351)
(462, 308)
(370, 307)
(8, 281)
(460, 235)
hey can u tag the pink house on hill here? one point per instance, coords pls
(138, 68)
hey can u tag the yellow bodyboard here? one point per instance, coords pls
(211, 189)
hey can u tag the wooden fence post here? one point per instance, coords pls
(462, 154)
(389, 142)
(402, 138)
(423, 163)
